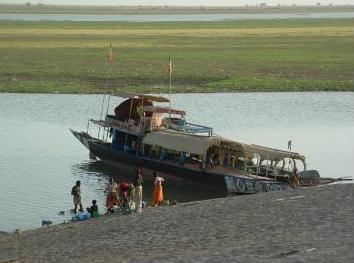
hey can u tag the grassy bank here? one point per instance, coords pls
(286, 55)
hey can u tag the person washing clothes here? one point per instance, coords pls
(76, 193)
(112, 196)
(93, 210)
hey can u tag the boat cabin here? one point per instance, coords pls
(140, 127)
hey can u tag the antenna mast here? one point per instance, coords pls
(106, 86)
(170, 73)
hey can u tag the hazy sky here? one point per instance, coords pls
(181, 2)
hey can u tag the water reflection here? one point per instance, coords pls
(95, 174)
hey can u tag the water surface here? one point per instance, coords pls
(40, 159)
(169, 17)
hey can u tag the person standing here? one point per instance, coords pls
(112, 196)
(138, 183)
(158, 189)
(76, 192)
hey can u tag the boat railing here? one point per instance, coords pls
(190, 127)
(127, 126)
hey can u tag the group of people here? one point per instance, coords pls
(124, 194)
(76, 193)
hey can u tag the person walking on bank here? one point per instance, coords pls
(138, 184)
(76, 192)
(158, 189)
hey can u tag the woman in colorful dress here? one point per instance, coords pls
(158, 189)
(112, 196)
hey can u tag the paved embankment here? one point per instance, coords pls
(303, 225)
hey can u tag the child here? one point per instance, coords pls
(93, 210)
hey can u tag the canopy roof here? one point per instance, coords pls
(179, 141)
(128, 95)
(238, 146)
(163, 110)
(196, 144)
(270, 153)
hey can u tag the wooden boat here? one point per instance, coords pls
(144, 133)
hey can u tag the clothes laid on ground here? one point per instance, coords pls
(81, 216)
(129, 207)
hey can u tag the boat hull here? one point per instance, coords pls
(215, 181)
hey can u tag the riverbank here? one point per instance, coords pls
(306, 225)
(228, 56)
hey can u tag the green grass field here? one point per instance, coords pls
(276, 55)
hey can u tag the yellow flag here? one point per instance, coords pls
(170, 66)
(110, 56)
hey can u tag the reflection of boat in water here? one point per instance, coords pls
(143, 133)
(175, 189)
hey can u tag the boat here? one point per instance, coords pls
(144, 131)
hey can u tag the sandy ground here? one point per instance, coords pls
(303, 225)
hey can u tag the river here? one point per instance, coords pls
(40, 159)
(170, 17)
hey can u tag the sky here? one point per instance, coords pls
(181, 2)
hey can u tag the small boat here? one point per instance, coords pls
(145, 132)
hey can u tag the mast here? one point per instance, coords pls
(289, 149)
(170, 73)
(110, 57)
(108, 67)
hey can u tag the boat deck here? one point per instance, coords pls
(238, 173)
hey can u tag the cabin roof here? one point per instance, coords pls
(128, 95)
(163, 110)
(180, 141)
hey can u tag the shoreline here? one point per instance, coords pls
(167, 9)
(308, 224)
(185, 92)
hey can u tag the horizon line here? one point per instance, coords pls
(188, 6)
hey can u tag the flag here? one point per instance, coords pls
(170, 66)
(110, 56)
